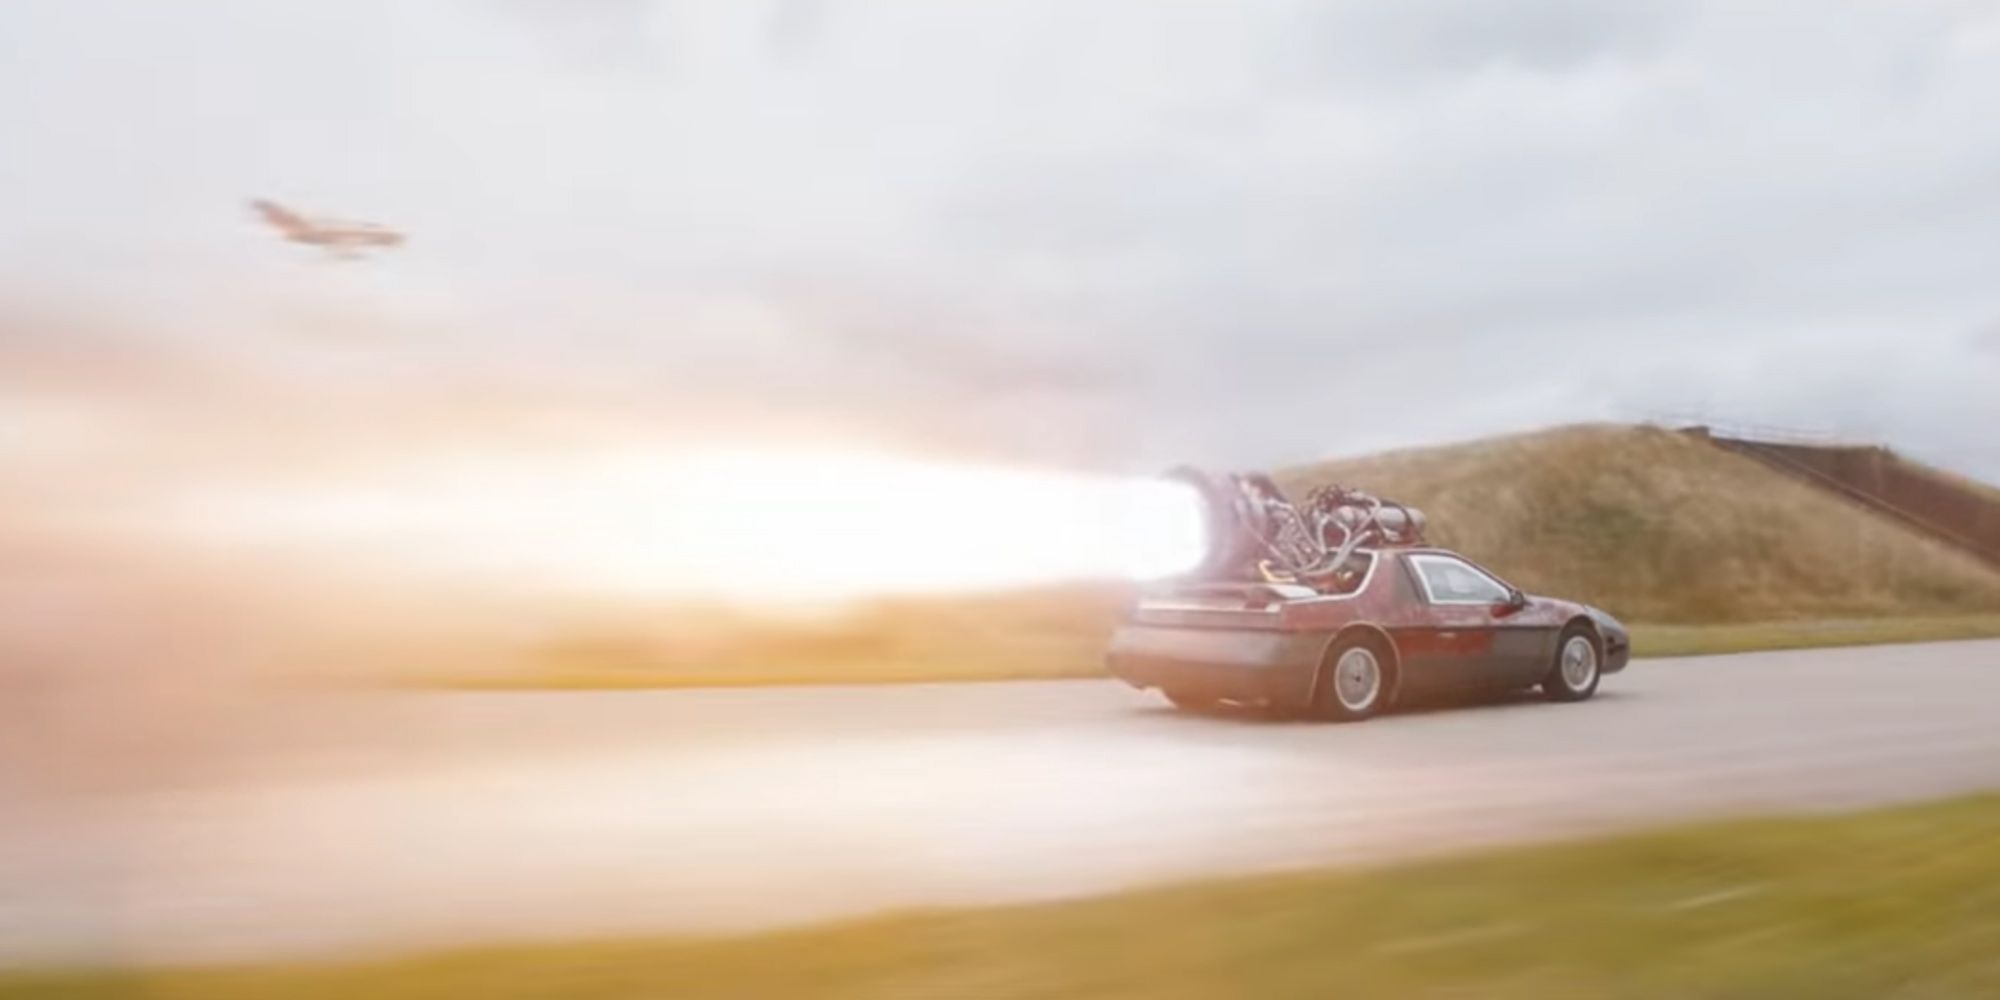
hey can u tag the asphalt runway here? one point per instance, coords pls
(319, 824)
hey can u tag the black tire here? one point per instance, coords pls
(1190, 701)
(1351, 700)
(1561, 684)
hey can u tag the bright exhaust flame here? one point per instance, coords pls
(736, 525)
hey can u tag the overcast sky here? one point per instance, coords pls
(1116, 234)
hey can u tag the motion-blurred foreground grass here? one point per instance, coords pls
(1896, 903)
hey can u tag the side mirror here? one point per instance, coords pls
(1515, 600)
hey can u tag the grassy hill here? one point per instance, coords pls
(1657, 526)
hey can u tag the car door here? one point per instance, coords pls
(1478, 637)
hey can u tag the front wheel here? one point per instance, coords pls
(1574, 675)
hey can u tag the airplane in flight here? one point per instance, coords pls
(340, 239)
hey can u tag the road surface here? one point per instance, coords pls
(363, 823)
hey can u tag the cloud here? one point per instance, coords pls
(1372, 45)
(1113, 234)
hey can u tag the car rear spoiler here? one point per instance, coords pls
(1226, 594)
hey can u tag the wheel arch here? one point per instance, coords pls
(1554, 685)
(1589, 625)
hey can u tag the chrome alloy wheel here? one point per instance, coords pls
(1579, 662)
(1357, 679)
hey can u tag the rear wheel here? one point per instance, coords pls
(1353, 682)
(1574, 675)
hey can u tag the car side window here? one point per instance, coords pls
(1453, 581)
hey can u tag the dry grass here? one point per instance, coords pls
(1658, 527)
(1986, 491)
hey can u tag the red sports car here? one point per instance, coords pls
(1337, 609)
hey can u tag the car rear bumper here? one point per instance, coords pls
(1246, 665)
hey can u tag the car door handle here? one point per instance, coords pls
(1447, 635)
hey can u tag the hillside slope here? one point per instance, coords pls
(1659, 527)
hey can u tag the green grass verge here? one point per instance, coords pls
(1701, 640)
(1041, 652)
(1895, 903)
